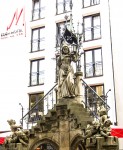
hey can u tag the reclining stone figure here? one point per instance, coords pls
(18, 134)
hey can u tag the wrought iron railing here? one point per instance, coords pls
(49, 100)
(94, 101)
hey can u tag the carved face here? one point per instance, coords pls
(65, 50)
(11, 122)
(108, 123)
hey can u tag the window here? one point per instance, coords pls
(37, 72)
(99, 89)
(63, 6)
(60, 29)
(33, 99)
(92, 100)
(38, 39)
(93, 63)
(38, 9)
(92, 28)
(87, 3)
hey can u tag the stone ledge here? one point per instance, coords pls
(101, 143)
(15, 146)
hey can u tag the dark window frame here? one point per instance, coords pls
(92, 28)
(91, 100)
(64, 7)
(37, 40)
(93, 63)
(37, 73)
(92, 3)
(94, 87)
(39, 109)
(38, 10)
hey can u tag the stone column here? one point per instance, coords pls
(64, 135)
(78, 87)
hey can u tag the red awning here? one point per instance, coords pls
(117, 131)
(2, 139)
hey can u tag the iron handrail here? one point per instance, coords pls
(104, 102)
(38, 102)
(91, 112)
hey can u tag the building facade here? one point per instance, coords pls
(46, 28)
(94, 21)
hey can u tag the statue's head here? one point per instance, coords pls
(96, 124)
(107, 123)
(103, 111)
(11, 122)
(65, 49)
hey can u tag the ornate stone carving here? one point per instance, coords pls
(101, 127)
(66, 86)
(92, 129)
(18, 134)
(105, 129)
(74, 124)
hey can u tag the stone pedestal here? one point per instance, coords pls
(15, 146)
(101, 143)
(63, 129)
(65, 125)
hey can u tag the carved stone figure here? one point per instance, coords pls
(74, 124)
(102, 112)
(92, 129)
(101, 127)
(66, 87)
(105, 129)
(18, 135)
(13, 125)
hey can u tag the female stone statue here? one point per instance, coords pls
(66, 88)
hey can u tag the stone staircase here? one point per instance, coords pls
(63, 128)
(75, 113)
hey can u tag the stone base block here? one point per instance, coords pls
(16, 146)
(101, 143)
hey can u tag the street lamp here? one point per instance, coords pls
(22, 113)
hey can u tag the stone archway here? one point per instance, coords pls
(44, 143)
(78, 143)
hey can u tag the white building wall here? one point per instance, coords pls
(13, 65)
(117, 40)
(15, 73)
(107, 59)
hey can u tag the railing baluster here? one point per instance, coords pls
(42, 99)
(92, 106)
(50, 101)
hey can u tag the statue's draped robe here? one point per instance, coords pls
(66, 78)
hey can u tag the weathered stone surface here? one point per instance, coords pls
(101, 143)
(15, 146)
(63, 127)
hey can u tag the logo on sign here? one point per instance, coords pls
(17, 26)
